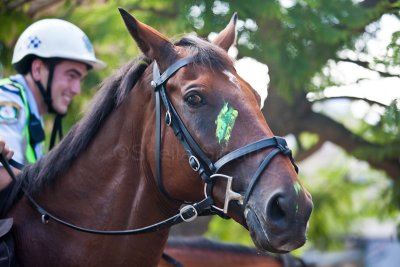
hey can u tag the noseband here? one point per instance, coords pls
(198, 161)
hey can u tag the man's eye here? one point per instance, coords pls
(194, 100)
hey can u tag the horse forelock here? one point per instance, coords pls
(206, 53)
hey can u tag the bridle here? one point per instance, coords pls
(198, 161)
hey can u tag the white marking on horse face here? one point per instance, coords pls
(232, 78)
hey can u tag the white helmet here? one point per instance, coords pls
(54, 38)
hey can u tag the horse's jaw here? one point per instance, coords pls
(268, 238)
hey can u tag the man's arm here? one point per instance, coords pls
(7, 153)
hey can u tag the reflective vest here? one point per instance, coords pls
(30, 154)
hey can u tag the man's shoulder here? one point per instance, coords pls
(9, 86)
(11, 103)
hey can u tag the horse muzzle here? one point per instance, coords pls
(277, 225)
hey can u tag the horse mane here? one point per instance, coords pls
(111, 93)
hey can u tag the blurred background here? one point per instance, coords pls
(329, 72)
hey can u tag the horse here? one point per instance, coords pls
(174, 134)
(200, 252)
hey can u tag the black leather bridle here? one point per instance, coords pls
(198, 161)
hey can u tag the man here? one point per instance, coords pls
(52, 57)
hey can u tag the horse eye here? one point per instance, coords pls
(194, 100)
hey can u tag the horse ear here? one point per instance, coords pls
(151, 42)
(227, 37)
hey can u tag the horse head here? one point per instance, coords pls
(217, 137)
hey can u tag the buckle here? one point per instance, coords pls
(45, 218)
(194, 163)
(153, 84)
(185, 209)
(168, 118)
(229, 193)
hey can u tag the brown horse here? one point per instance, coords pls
(120, 167)
(200, 252)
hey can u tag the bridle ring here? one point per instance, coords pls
(185, 209)
(194, 163)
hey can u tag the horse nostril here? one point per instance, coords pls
(275, 210)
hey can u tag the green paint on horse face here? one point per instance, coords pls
(225, 122)
(297, 187)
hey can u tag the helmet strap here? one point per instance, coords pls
(57, 129)
(46, 94)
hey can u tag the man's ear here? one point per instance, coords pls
(37, 68)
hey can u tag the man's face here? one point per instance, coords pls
(66, 84)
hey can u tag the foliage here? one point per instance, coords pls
(385, 132)
(229, 231)
(350, 192)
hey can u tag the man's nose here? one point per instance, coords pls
(76, 88)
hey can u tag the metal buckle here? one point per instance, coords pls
(229, 193)
(45, 219)
(186, 208)
(197, 167)
(168, 118)
(153, 84)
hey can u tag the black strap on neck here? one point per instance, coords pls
(57, 129)
(46, 94)
(36, 132)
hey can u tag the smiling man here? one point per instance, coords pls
(52, 57)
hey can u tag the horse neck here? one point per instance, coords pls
(109, 186)
(114, 172)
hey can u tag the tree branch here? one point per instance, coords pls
(366, 65)
(305, 153)
(330, 130)
(353, 98)
(298, 117)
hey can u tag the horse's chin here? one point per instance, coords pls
(261, 236)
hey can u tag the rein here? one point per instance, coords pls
(198, 161)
